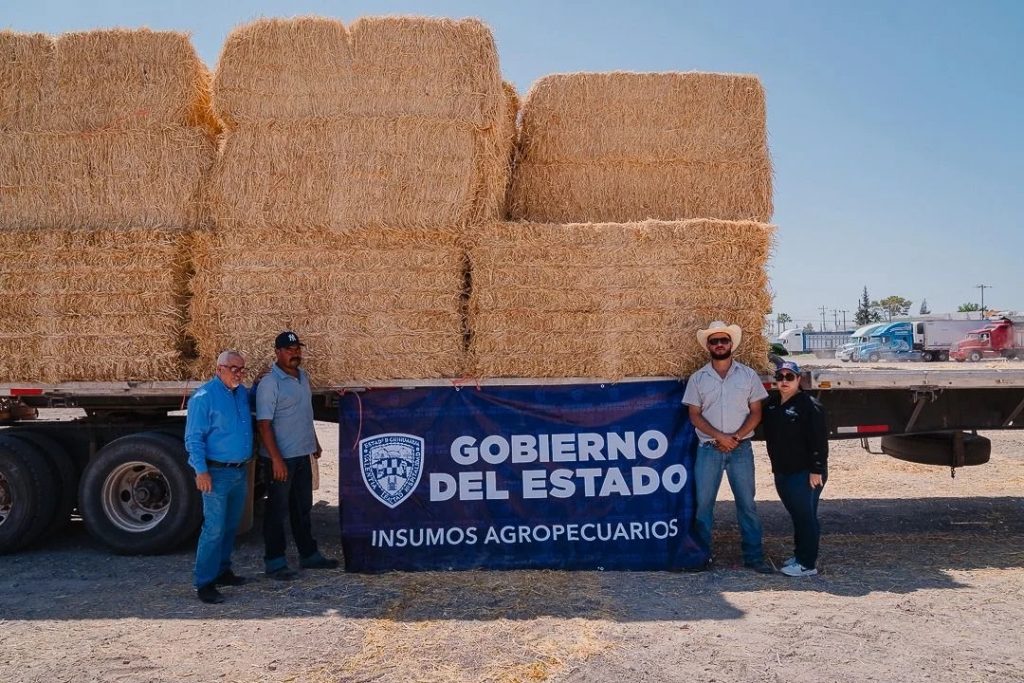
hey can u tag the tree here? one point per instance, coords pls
(781, 321)
(892, 305)
(968, 308)
(808, 327)
(864, 314)
(924, 310)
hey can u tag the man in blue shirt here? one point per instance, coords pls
(284, 420)
(218, 438)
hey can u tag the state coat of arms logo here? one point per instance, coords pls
(391, 465)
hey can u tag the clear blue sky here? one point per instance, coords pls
(895, 127)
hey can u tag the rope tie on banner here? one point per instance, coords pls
(464, 381)
(359, 404)
(184, 396)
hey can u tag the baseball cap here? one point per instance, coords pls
(286, 339)
(788, 365)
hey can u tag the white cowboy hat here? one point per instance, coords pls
(734, 331)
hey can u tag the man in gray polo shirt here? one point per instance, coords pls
(284, 421)
(724, 400)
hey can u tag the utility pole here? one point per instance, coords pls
(983, 288)
(822, 309)
(844, 312)
(835, 319)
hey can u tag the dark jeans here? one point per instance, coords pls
(801, 501)
(738, 465)
(291, 499)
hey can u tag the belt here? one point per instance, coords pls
(217, 463)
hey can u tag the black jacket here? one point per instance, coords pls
(796, 434)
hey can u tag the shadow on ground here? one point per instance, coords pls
(884, 545)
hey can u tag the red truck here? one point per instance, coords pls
(1000, 338)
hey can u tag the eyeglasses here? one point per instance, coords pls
(233, 368)
(719, 341)
(785, 377)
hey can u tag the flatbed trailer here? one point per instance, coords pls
(122, 465)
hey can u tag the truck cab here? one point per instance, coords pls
(860, 336)
(998, 339)
(888, 341)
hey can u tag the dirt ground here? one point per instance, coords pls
(922, 580)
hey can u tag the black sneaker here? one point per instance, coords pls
(282, 574)
(319, 562)
(209, 594)
(229, 578)
(761, 567)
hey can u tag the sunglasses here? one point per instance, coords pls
(234, 368)
(785, 377)
(719, 341)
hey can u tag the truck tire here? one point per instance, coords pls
(66, 476)
(874, 358)
(943, 356)
(927, 356)
(936, 448)
(138, 495)
(26, 503)
(974, 356)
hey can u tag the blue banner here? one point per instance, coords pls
(581, 476)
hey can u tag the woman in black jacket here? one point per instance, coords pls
(797, 439)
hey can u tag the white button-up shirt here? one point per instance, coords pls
(724, 402)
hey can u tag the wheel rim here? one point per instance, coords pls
(136, 497)
(6, 499)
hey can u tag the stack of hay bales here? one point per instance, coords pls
(354, 160)
(105, 138)
(585, 285)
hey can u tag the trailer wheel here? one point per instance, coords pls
(26, 506)
(927, 356)
(974, 356)
(66, 476)
(943, 356)
(138, 496)
(937, 448)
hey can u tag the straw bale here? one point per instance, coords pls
(344, 173)
(369, 303)
(628, 146)
(427, 67)
(129, 79)
(92, 305)
(26, 71)
(109, 179)
(284, 69)
(495, 158)
(613, 300)
(312, 67)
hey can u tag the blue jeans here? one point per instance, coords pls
(290, 500)
(738, 465)
(222, 513)
(801, 501)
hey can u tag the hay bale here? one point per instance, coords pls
(111, 179)
(284, 69)
(26, 73)
(128, 79)
(312, 67)
(345, 173)
(613, 300)
(629, 146)
(369, 303)
(92, 305)
(495, 159)
(427, 67)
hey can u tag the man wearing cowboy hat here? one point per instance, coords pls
(724, 399)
